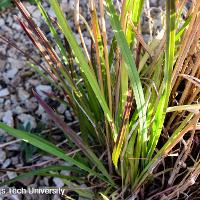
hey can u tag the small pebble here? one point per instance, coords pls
(40, 89)
(11, 73)
(26, 118)
(2, 156)
(61, 108)
(68, 115)
(22, 94)
(11, 175)
(6, 163)
(58, 182)
(4, 92)
(8, 118)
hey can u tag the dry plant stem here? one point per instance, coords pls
(7, 41)
(192, 67)
(117, 85)
(183, 132)
(156, 57)
(42, 164)
(140, 38)
(77, 24)
(168, 148)
(159, 194)
(42, 39)
(188, 181)
(118, 65)
(51, 70)
(106, 53)
(52, 57)
(95, 30)
(105, 46)
(181, 159)
(189, 87)
(187, 41)
(54, 73)
(179, 79)
(123, 15)
(185, 65)
(9, 143)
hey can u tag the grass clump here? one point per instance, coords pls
(135, 101)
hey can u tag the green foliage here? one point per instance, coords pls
(8, 3)
(27, 149)
(5, 3)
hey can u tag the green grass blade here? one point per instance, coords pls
(52, 29)
(183, 28)
(46, 146)
(166, 84)
(81, 60)
(74, 137)
(133, 74)
(163, 151)
(39, 172)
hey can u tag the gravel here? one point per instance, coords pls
(8, 118)
(4, 92)
(27, 119)
(2, 156)
(40, 89)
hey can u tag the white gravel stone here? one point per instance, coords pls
(14, 197)
(8, 118)
(3, 48)
(16, 26)
(66, 6)
(4, 92)
(31, 104)
(51, 13)
(2, 22)
(13, 99)
(37, 15)
(18, 110)
(25, 119)
(58, 182)
(7, 104)
(45, 118)
(1, 102)
(153, 2)
(2, 156)
(61, 108)
(43, 88)
(31, 8)
(68, 115)
(22, 94)
(15, 160)
(65, 173)
(11, 73)
(16, 62)
(11, 174)
(56, 197)
(6, 163)
(46, 181)
(14, 147)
